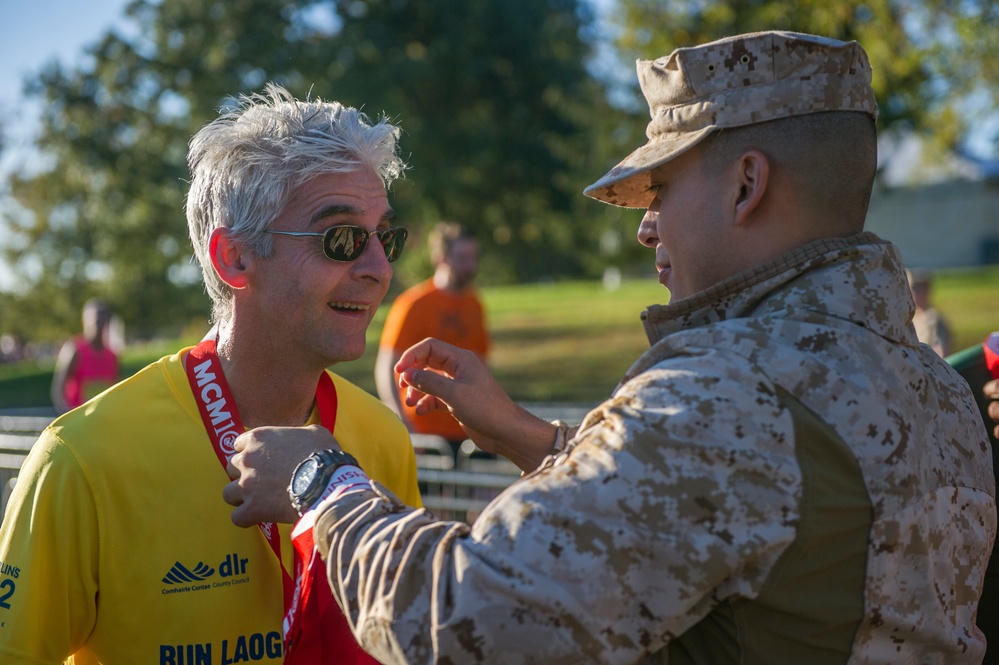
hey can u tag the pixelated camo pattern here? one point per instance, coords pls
(681, 491)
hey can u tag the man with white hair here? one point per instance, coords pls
(116, 547)
(785, 476)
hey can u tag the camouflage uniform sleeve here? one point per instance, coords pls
(681, 491)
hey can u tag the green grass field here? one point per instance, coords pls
(558, 342)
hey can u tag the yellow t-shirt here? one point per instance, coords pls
(116, 542)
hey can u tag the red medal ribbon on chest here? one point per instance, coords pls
(315, 629)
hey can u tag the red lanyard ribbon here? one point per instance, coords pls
(313, 624)
(991, 348)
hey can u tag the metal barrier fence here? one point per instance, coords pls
(452, 491)
(458, 487)
(17, 435)
(452, 487)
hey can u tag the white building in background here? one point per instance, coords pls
(941, 213)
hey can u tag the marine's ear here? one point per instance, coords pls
(753, 176)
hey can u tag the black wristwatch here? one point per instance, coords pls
(313, 474)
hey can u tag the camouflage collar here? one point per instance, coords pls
(859, 278)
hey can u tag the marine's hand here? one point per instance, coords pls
(261, 471)
(991, 390)
(439, 376)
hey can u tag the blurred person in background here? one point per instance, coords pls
(445, 307)
(86, 364)
(931, 327)
(11, 348)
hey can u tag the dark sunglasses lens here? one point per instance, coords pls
(393, 240)
(344, 243)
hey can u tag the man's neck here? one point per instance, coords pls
(445, 281)
(95, 339)
(270, 388)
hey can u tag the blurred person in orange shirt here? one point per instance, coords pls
(446, 307)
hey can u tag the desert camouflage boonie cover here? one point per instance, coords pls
(734, 82)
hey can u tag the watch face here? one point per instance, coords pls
(304, 476)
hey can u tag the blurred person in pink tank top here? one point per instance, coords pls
(86, 364)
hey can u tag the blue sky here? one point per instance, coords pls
(34, 32)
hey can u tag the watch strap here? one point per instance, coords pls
(345, 479)
(328, 462)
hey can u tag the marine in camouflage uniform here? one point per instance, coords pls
(764, 487)
(786, 476)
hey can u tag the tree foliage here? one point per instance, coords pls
(928, 56)
(498, 109)
(504, 123)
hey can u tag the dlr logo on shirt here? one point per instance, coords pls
(233, 565)
(243, 649)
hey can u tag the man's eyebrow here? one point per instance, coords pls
(335, 210)
(338, 209)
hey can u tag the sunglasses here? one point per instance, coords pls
(345, 243)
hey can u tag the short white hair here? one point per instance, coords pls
(245, 164)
